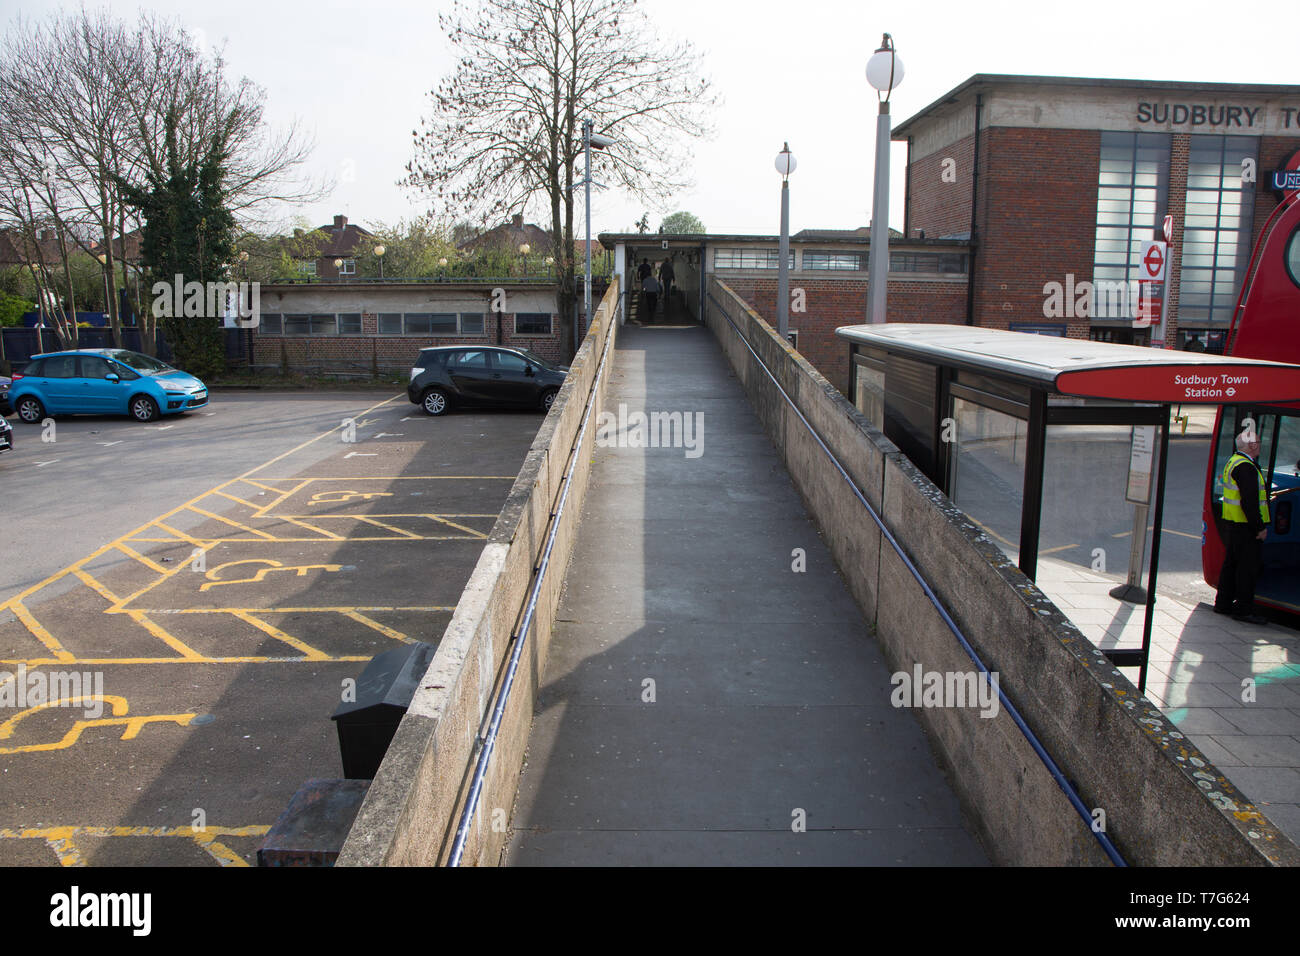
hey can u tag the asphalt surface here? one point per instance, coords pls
(194, 596)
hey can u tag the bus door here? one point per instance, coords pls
(1279, 460)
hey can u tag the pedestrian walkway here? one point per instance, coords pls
(707, 701)
(1233, 688)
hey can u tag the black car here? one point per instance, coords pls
(5, 407)
(6, 436)
(487, 375)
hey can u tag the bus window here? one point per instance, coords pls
(1286, 463)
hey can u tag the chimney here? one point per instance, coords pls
(340, 222)
(517, 220)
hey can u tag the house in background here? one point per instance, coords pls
(344, 240)
(509, 236)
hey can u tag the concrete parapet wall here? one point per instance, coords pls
(1164, 803)
(413, 807)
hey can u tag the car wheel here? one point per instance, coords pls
(30, 410)
(435, 402)
(548, 398)
(143, 408)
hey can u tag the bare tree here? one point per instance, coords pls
(86, 100)
(507, 125)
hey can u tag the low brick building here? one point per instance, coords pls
(384, 324)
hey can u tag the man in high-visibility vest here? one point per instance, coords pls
(1245, 514)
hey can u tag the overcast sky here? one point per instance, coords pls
(357, 76)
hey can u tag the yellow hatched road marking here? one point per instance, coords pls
(62, 655)
(108, 661)
(174, 643)
(381, 628)
(95, 585)
(247, 504)
(147, 562)
(231, 521)
(328, 535)
(379, 524)
(198, 543)
(283, 496)
(378, 537)
(312, 654)
(62, 839)
(158, 522)
(458, 527)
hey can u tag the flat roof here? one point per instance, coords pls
(1085, 368)
(1012, 79)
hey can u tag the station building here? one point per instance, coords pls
(1027, 202)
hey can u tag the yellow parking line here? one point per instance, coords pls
(328, 535)
(181, 535)
(382, 629)
(133, 661)
(95, 585)
(66, 850)
(177, 645)
(230, 521)
(158, 522)
(283, 497)
(258, 484)
(458, 527)
(379, 524)
(290, 610)
(61, 654)
(147, 562)
(247, 504)
(312, 654)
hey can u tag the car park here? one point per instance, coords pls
(103, 382)
(447, 377)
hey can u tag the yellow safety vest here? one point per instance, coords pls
(1232, 510)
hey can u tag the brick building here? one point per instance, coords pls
(1027, 202)
(362, 324)
(1057, 181)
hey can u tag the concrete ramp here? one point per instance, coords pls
(713, 694)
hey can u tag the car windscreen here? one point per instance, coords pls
(538, 360)
(141, 363)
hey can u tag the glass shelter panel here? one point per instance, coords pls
(987, 471)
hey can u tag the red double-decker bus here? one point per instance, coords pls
(1266, 325)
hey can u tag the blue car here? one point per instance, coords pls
(103, 382)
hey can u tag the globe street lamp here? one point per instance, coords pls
(338, 270)
(524, 249)
(785, 164)
(884, 72)
(379, 254)
(590, 141)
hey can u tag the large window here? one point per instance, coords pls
(832, 261)
(532, 323)
(927, 262)
(1216, 227)
(1132, 193)
(749, 259)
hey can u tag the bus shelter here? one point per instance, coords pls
(1050, 444)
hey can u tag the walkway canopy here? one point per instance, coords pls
(972, 407)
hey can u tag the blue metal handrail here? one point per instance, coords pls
(488, 741)
(1034, 742)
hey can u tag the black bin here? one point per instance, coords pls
(384, 690)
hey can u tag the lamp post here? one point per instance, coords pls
(379, 254)
(524, 249)
(884, 72)
(590, 141)
(338, 270)
(785, 165)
